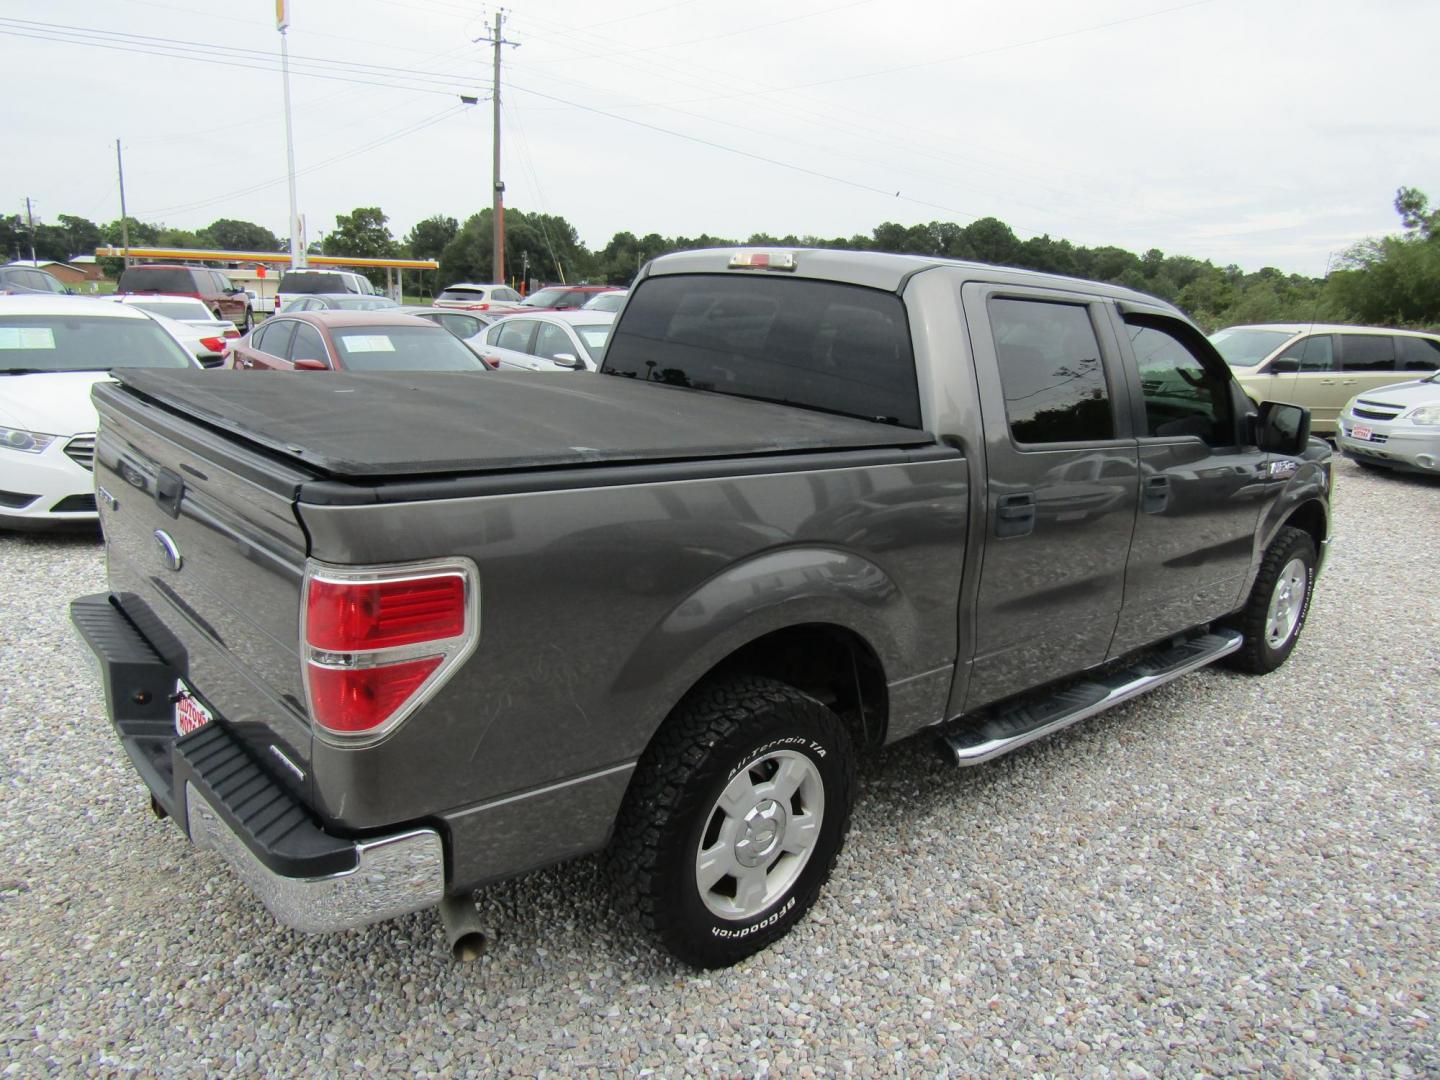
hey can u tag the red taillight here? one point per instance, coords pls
(214, 344)
(357, 616)
(233, 332)
(380, 640)
(492, 362)
(357, 700)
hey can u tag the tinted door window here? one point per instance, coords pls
(1313, 353)
(1417, 354)
(514, 334)
(1054, 383)
(1367, 352)
(817, 344)
(509, 296)
(277, 337)
(307, 344)
(1181, 396)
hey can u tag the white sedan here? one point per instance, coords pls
(548, 341)
(203, 334)
(53, 350)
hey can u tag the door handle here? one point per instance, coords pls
(1015, 514)
(1156, 494)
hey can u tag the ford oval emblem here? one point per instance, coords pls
(169, 550)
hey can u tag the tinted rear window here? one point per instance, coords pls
(313, 283)
(169, 279)
(822, 345)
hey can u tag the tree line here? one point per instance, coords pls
(1386, 281)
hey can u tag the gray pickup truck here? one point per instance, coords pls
(382, 639)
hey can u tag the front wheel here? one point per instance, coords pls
(1279, 602)
(734, 820)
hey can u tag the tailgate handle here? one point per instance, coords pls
(169, 490)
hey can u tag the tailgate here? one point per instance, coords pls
(206, 557)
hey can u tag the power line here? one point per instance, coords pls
(747, 154)
(409, 129)
(216, 55)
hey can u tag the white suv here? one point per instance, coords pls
(464, 296)
(295, 283)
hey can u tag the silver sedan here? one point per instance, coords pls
(1395, 426)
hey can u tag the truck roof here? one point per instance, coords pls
(878, 270)
(351, 425)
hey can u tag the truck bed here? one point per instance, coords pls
(348, 426)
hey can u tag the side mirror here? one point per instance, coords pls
(311, 365)
(1284, 366)
(569, 360)
(1281, 428)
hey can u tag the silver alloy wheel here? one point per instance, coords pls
(1286, 603)
(760, 834)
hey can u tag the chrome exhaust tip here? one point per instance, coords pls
(463, 932)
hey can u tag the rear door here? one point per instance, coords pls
(268, 346)
(1063, 486)
(1202, 486)
(1367, 362)
(512, 341)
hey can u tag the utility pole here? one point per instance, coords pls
(124, 219)
(282, 23)
(30, 220)
(497, 205)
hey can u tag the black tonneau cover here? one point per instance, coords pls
(352, 426)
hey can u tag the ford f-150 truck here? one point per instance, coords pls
(382, 639)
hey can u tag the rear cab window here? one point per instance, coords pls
(833, 347)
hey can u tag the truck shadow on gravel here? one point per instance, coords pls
(571, 910)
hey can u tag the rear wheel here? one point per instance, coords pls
(248, 323)
(1273, 617)
(735, 818)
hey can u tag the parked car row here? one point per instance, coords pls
(53, 349)
(1347, 377)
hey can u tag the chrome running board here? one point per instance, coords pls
(1015, 725)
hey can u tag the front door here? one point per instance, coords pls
(1202, 488)
(1062, 489)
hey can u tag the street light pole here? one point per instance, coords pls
(282, 23)
(497, 203)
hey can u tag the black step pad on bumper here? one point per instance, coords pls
(276, 828)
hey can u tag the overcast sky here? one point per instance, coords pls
(1258, 132)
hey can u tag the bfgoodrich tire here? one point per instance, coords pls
(734, 820)
(1279, 603)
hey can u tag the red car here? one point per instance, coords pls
(562, 297)
(351, 341)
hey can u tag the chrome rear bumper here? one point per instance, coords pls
(393, 875)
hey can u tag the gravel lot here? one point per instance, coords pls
(1232, 875)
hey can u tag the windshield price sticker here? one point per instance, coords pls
(367, 343)
(27, 337)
